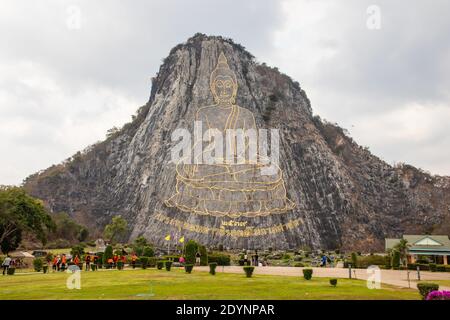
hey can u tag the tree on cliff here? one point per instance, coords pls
(21, 213)
(116, 229)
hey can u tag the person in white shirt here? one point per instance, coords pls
(5, 264)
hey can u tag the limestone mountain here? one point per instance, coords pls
(344, 196)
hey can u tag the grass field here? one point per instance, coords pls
(176, 284)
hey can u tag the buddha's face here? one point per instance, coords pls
(224, 89)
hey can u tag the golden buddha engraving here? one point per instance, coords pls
(223, 188)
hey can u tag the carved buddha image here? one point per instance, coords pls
(225, 189)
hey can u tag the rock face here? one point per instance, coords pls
(344, 196)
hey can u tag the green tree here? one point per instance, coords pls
(139, 244)
(21, 213)
(107, 254)
(148, 251)
(191, 249)
(116, 229)
(83, 234)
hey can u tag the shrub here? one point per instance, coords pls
(307, 274)
(77, 250)
(249, 271)
(107, 254)
(298, 258)
(144, 262)
(212, 268)
(38, 263)
(299, 264)
(93, 267)
(333, 282)
(396, 260)
(168, 265)
(151, 262)
(11, 271)
(432, 267)
(45, 269)
(438, 295)
(221, 259)
(188, 268)
(148, 251)
(160, 264)
(387, 262)
(377, 260)
(286, 256)
(440, 268)
(120, 265)
(354, 260)
(426, 287)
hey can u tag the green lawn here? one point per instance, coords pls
(176, 284)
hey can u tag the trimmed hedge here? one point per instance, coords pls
(188, 268)
(249, 271)
(220, 258)
(307, 274)
(160, 264)
(333, 282)
(212, 268)
(426, 287)
(144, 262)
(168, 265)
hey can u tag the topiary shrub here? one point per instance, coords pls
(93, 267)
(440, 268)
(107, 254)
(333, 282)
(168, 265)
(151, 262)
(160, 264)
(188, 268)
(11, 271)
(37, 264)
(307, 274)
(212, 268)
(144, 262)
(433, 267)
(426, 287)
(45, 269)
(120, 265)
(249, 271)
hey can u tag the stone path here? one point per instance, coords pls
(397, 278)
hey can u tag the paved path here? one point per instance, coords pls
(392, 277)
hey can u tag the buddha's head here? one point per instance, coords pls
(223, 82)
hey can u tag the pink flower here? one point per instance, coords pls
(438, 295)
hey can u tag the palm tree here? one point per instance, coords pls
(402, 248)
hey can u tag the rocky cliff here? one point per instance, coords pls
(345, 197)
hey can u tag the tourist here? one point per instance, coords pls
(197, 258)
(133, 260)
(6, 264)
(256, 258)
(55, 263)
(324, 261)
(245, 258)
(88, 261)
(76, 261)
(181, 260)
(58, 263)
(63, 262)
(111, 263)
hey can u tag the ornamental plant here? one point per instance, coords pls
(307, 274)
(426, 287)
(438, 295)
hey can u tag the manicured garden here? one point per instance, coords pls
(177, 284)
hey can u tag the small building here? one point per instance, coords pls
(433, 247)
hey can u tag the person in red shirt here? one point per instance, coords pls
(76, 260)
(54, 263)
(63, 262)
(133, 260)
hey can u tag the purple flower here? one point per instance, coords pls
(438, 295)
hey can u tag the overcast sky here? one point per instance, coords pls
(70, 70)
